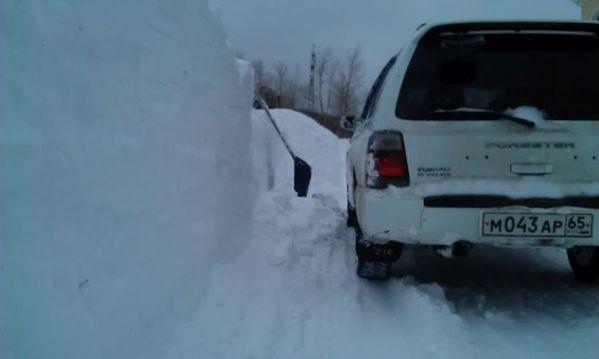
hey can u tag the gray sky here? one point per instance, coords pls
(284, 30)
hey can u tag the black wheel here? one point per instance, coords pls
(352, 216)
(375, 260)
(379, 271)
(584, 261)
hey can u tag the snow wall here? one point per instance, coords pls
(125, 172)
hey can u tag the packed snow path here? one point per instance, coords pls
(291, 291)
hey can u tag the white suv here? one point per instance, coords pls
(480, 133)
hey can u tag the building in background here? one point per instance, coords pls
(590, 10)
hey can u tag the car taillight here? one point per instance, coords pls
(386, 161)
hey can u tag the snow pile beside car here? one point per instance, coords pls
(125, 166)
(324, 152)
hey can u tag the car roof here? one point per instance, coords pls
(495, 26)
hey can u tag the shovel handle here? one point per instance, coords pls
(272, 120)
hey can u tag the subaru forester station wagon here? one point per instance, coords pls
(480, 133)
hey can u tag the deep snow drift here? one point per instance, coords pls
(124, 164)
(293, 293)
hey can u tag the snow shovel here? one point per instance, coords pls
(302, 172)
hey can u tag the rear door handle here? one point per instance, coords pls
(531, 169)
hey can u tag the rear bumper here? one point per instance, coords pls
(390, 216)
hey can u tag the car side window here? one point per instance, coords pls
(375, 90)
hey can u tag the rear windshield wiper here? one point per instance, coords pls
(480, 112)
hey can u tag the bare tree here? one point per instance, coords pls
(338, 84)
(293, 88)
(263, 77)
(331, 78)
(264, 83)
(281, 83)
(259, 74)
(323, 71)
(348, 82)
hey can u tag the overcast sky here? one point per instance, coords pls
(284, 30)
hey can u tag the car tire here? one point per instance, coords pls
(352, 216)
(375, 271)
(369, 267)
(584, 261)
(366, 268)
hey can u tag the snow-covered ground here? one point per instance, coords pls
(292, 291)
(145, 212)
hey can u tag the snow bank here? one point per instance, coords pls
(124, 163)
(319, 147)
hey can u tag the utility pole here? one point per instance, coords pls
(311, 86)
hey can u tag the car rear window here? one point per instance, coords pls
(555, 72)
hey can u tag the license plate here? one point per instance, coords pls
(536, 224)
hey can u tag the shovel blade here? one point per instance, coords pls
(302, 174)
